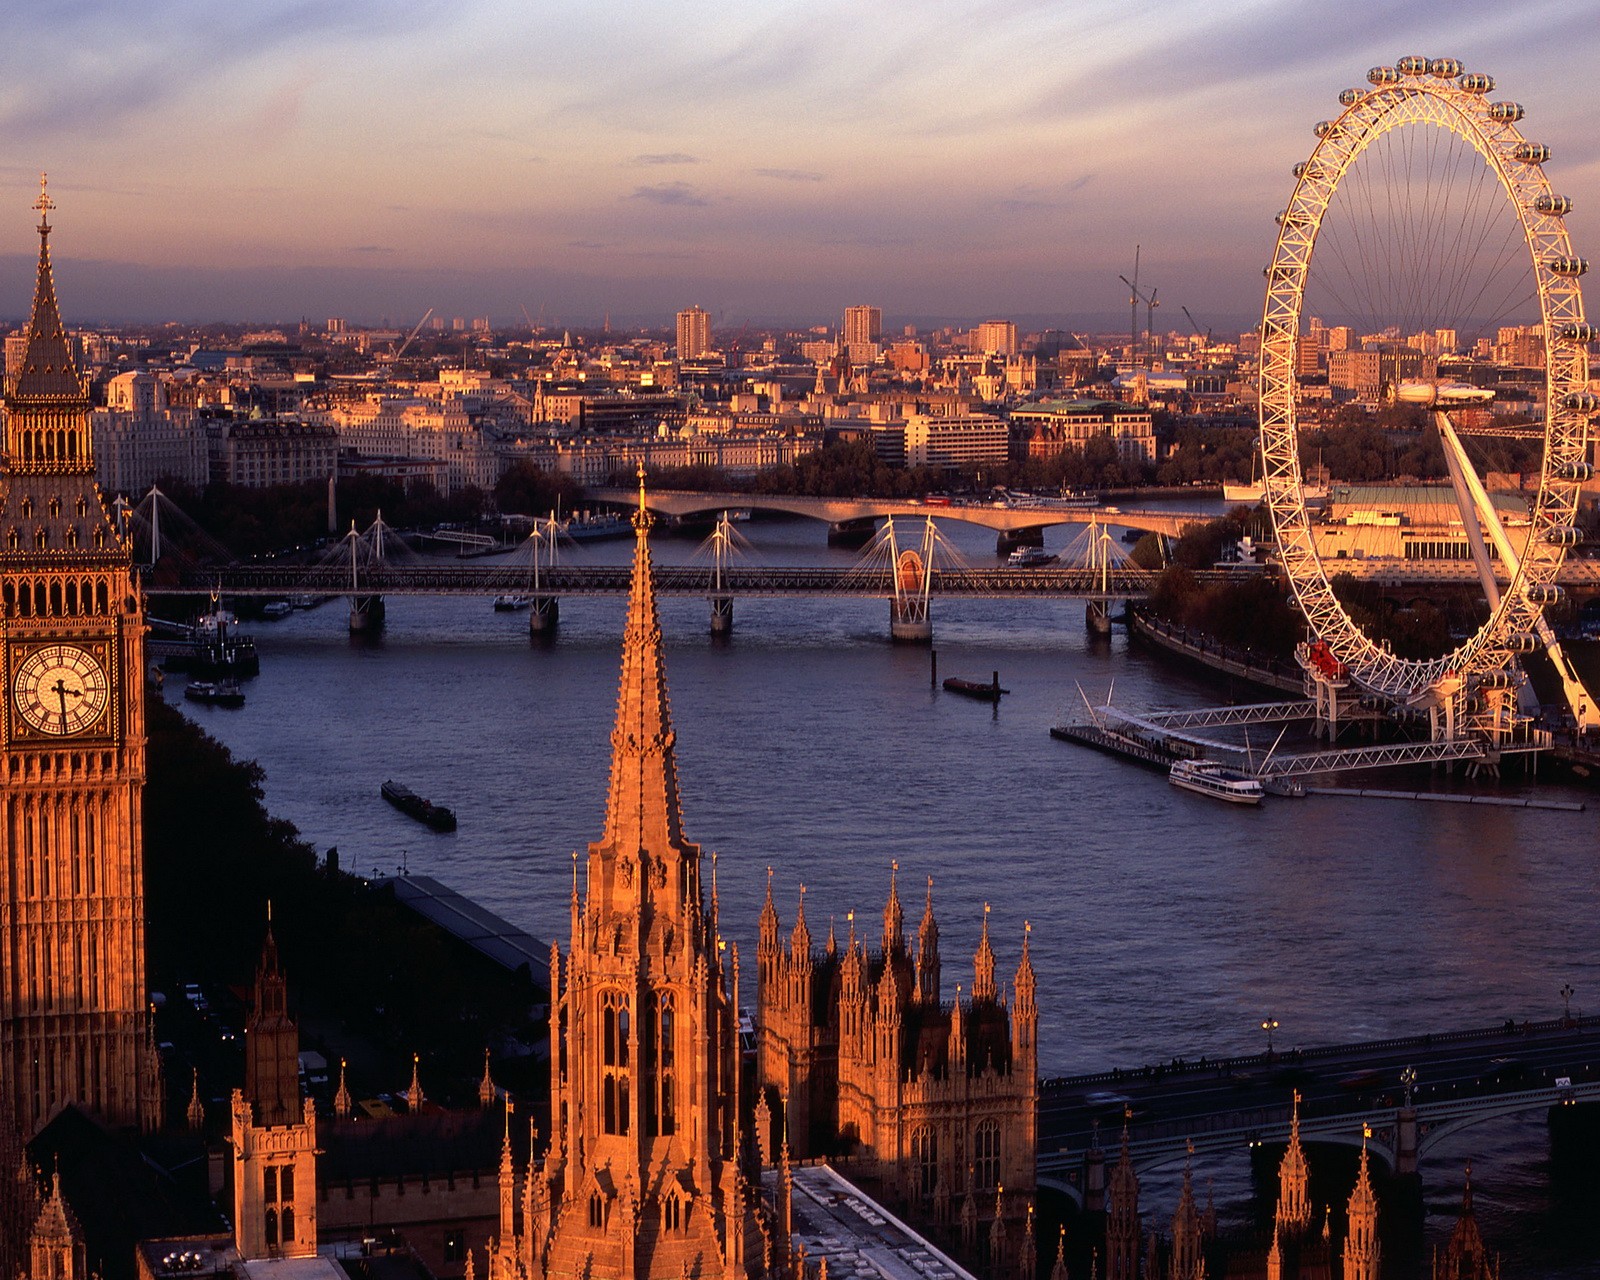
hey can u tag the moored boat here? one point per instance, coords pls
(1210, 778)
(511, 604)
(218, 693)
(414, 806)
(1030, 558)
(984, 691)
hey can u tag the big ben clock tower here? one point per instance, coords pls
(73, 1027)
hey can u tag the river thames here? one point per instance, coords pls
(1164, 924)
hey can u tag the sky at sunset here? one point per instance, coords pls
(767, 160)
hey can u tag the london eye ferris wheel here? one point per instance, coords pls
(1423, 223)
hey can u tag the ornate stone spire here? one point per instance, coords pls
(642, 856)
(197, 1110)
(414, 1095)
(1122, 1222)
(47, 371)
(1294, 1177)
(894, 919)
(1360, 1253)
(1466, 1257)
(928, 953)
(486, 1087)
(983, 987)
(1188, 1259)
(800, 939)
(272, 1044)
(342, 1104)
(1059, 1271)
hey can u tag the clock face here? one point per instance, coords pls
(61, 689)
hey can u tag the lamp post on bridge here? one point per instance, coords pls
(1408, 1079)
(1566, 1002)
(1269, 1024)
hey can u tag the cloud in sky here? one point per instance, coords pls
(678, 193)
(959, 152)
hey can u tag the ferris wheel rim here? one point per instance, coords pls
(1459, 103)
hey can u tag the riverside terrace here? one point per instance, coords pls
(1409, 1093)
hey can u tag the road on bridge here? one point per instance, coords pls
(1188, 1094)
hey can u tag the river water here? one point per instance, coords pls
(1164, 924)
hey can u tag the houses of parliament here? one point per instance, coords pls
(673, 1150)
(652, 1166)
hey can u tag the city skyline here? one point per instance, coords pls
(770, 164)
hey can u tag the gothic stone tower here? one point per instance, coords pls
(72, 1018)
(642, 1178)
(274, 1132)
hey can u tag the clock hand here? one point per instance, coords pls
(59, 688)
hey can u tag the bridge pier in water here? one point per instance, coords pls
(1097, 617)
(543, 615)
(910, 622)
(366, 614)
(1009, 540)
(721, 615)
(852, 533)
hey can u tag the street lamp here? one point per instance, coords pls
(1269, 1025)
(1408, 1078)
(1566, 1001)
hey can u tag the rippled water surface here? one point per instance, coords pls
(1163, 923)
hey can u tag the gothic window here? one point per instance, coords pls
(99, 537)
(27, 508)
(72, 536)
(72, 587)
(55, 508)
(288, 1224)
(269, 1184)
(271, 1222)
(13, 539)
(41, 539)
(986, 1156)
(925, 1155)
(286, 1190)
(614, 1046)
(597, 1210)
(82, 508)
(672, 1214)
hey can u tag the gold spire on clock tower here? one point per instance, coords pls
(73, 1026)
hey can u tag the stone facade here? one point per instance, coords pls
(940, 1098)
(73, 1026)
(648, 1172)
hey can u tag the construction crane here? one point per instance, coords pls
(1150, 305)
(1196, 327)
(412, 336)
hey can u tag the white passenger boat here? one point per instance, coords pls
(1209, 778)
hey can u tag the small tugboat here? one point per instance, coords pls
(414, 806)
(984, 692)
(512, 604)
(1210, 778)
(276, 609)
(219, 693)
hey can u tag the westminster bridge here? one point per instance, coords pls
(1402, 1096)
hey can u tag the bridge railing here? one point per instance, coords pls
(1361, 1048)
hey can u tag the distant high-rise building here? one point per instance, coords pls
(863, 325)
(694, 333)
(997, 338)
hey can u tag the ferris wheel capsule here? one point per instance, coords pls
(1492, 680)
(1553, 206)
(1445, 68)
(1411, 66)
(1564, 535)
(1575, 472)
(1530, 152)
(1581, 402)
(1570, 268)
(1546, 593)
(1382, 76)
(1579, 333)
(1475, 82)
(1350, 97)
(1523, 641)
(1506, 112)
(1323, 128)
